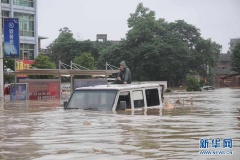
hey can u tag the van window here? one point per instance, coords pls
(138, 99)
(92, 99)
(152, 97)
(124, 96)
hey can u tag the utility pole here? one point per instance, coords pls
(1, 59)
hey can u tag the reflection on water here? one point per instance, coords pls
(44, 131)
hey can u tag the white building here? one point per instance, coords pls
(26, 11)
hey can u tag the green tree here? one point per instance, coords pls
(158, 50)
(204, 57)
(189, 33)
(235, 58)
(8, 63)
(156, 46)
(113, 55)
(85, 60)
(193, 84)
(42, 62)
(64, 48)
(97, 47)
(202, 54)
(93, 47)
(143, 43)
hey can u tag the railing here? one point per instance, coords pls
(110, 66)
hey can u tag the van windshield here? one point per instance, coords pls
(102, 100)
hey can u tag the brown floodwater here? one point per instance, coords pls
(45, 131)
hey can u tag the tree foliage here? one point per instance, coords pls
(8, 63)
(193, 84)
(235, 58)
(85, 60)
(65, 47)
(153, 49)
(42, 62)
(157, 50)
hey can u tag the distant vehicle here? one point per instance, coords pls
(208, 88)
(116, 97)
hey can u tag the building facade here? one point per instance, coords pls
(223, 69)
(26, 11)
(233, 42)
(225, 77)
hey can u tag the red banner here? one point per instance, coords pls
(44, 89)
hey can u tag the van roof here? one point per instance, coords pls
(118, 86)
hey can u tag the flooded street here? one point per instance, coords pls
(45, 131)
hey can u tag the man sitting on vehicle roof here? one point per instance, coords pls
(124, 76)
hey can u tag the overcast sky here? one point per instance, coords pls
(216, 19)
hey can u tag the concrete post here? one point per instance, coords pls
(1, 60)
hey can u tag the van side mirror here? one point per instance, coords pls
(123, 105)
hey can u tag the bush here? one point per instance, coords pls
(193, 84)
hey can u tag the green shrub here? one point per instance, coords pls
(193, 84)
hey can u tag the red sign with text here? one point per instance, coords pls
(44, 89)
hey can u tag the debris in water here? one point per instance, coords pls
(86, 123)
(97, 150)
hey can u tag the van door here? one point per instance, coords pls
(124, 96)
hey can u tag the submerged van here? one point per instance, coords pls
(116, 97)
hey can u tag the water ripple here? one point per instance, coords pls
(46, 132)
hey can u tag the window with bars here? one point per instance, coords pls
(26, 24)
(25, 3)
